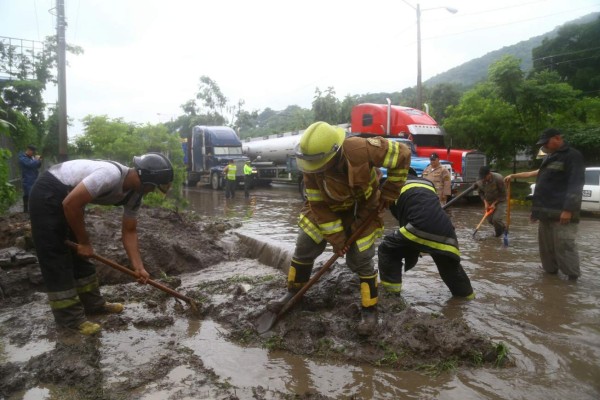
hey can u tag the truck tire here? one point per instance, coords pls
(215, 181)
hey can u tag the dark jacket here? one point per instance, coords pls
(422, 220)
(559, 185)
(29, 171)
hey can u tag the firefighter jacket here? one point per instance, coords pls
(423, 222)
(559, 185)
(341, 197)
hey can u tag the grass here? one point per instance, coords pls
(501, 354)
(440, 367)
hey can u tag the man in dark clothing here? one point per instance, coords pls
(492, 191)
(30, 164)
(557, 203)
(424, 227)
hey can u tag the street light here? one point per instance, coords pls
(418, 10)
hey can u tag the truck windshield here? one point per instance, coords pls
(220, 151)
(429, 140)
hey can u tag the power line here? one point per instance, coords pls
(569, 53)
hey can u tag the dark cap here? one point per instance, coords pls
(547, 134)
(32, 147)
(434, 156)
(483, 171)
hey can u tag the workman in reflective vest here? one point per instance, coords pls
(342, 190)
(247, 178)
(230, 172)
(424, 227)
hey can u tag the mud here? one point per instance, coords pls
(154, 349)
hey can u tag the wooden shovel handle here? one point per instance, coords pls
(328, 264)
(134, 275)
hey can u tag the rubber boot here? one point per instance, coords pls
(93, 302)
(298, 275)
(368, 313)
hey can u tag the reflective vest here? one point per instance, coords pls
(231, 172)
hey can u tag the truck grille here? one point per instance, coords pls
(471, 164)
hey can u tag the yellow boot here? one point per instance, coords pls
(88, 328)
(368, 313)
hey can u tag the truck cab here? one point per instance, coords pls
(207, 152)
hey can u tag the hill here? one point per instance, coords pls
(476, 70)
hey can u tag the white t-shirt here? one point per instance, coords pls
(102, 179)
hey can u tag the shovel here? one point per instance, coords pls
(505, 241)
(460, 196)
(268, 318)
(487, 214)
(126, 270)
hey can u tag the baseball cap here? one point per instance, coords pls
(483, 171)
(32, 147)
(434, 156)
(547, 134)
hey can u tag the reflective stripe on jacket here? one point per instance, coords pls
(422, 220)
(345, 194)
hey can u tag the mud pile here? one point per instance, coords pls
(181, 246)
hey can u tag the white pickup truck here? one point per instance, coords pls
(590, 199)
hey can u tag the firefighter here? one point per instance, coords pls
(342, 189)
(440, 177)
(230, 172)
(57, 206)
(424, 227)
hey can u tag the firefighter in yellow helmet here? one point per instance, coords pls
(342, 189)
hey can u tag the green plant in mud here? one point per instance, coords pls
(476, 357)
(438, 368)
(243, 336)
(275, 342)
(501, 354)
(390, 356)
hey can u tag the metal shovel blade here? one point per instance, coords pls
(265, 322)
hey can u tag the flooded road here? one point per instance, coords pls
(551, 326)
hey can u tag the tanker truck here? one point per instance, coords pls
(273, 158)
(207, 150)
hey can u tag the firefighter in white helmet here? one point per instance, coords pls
(342, 189)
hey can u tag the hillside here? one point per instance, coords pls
(476, 70)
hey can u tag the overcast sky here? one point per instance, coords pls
(143, 58)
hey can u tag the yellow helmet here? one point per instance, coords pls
(319, 144)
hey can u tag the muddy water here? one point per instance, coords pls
(550, 325)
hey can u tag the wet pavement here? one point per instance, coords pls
(550, 325)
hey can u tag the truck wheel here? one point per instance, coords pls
(215, 181)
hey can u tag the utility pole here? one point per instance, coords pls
(419, 83)
(62, 80)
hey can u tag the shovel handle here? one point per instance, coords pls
(328, 264)
(134, 275)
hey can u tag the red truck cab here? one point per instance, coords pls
(418, 126)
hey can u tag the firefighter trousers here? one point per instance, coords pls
(394, 251)
(70, 280)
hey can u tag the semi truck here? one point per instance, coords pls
(387, 120)
(207, 151)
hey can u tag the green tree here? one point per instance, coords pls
(574, 54)
(326, 106)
